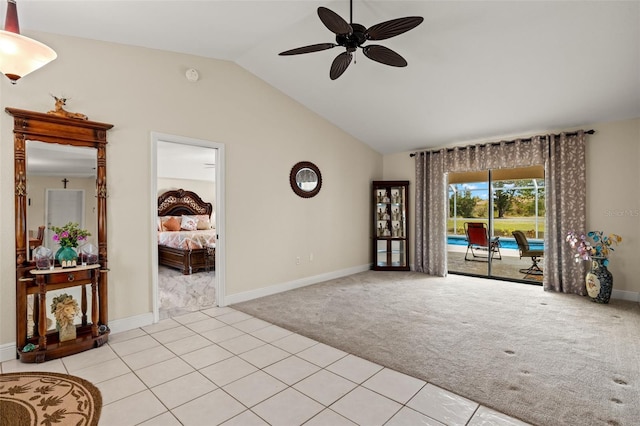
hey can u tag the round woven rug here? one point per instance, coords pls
(41, 398)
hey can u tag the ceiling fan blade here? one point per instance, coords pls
(334, 22)
(308, 49)
(384, 55)
(340, 64)
(393, 28)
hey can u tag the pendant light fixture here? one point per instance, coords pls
(20, 55)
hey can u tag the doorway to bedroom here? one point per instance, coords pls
(187, 198)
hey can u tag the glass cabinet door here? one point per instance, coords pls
(390, 219)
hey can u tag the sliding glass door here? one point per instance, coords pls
(469, 205)
(496, 223)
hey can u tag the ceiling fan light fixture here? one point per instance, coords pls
(20, 55)
(352, 36)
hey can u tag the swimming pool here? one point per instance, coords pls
(505, 242)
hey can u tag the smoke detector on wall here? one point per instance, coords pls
(192, 75)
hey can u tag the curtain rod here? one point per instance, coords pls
(589, 132)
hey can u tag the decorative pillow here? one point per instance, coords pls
(203, 222)
(171, 224)
(189, 223)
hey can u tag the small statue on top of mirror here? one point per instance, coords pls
(60, 111)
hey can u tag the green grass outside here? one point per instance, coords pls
(503, 227)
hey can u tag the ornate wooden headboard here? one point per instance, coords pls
(180, 202)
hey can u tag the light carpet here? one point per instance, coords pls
(43, 398)
(546, 358)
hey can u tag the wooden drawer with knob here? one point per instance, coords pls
(69, 277)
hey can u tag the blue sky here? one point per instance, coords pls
(478, 189)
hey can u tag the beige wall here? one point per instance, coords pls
(264, 132)
(613, 185)
(613, 204)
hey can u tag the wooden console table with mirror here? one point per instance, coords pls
(56, 139)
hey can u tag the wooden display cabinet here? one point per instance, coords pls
(390, 234)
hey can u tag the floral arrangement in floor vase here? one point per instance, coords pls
(596, 247)
(64, 309)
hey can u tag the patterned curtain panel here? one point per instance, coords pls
(565, 180)
(564, 160)
(503, 155)
(431, 214)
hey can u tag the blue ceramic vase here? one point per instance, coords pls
(599, 281)
(67, 257)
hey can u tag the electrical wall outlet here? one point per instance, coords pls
(297, 260)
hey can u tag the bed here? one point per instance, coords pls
(186, 233)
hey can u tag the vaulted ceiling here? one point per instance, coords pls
(476, 69)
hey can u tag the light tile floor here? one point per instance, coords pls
(222, 366)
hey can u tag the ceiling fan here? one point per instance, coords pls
(352, 35)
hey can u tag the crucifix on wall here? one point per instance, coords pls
(65, 181)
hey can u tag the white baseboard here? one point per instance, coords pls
(8, 352)
(303, 282)
(129, 323)
(632, 296)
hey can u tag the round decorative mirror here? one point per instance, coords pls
(305, 179)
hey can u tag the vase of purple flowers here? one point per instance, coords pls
(69, 237)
